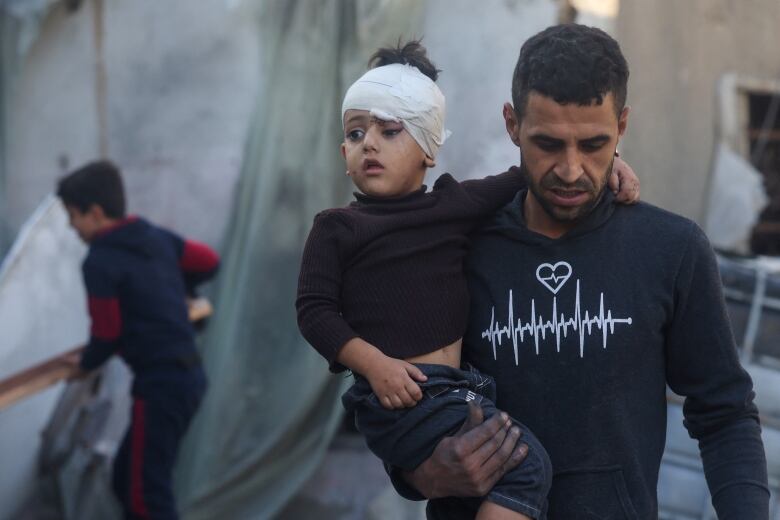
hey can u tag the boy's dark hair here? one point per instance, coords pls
(410, 53)
(570, 63)
(98, 182)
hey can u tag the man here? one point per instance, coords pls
(584, 311)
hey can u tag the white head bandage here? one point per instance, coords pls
(402, 93)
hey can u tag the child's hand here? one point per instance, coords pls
(394, 383)
(624, 183)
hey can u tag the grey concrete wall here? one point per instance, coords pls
(476, 45)
(181, 83)
(677, 51)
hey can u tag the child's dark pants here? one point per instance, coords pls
(164, 401)
(406, 437)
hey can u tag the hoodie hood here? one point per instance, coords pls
(133, 234)
(509, 221)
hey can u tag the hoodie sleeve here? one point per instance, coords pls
(104, 312)
(488, 194)
(703, 366)
(319, 288)
(197, 261)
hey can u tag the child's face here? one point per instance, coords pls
(383, 160)
(86, 224)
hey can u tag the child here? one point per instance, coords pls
(382, 289)
(137, 277)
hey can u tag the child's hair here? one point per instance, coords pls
(410, 53)
(98, 182)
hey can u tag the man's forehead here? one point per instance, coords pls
(544, 115)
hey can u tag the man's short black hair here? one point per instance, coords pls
(98, 182)
(570, 63)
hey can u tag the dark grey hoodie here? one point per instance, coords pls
(582, 335)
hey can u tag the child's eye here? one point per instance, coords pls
(355, 135)
(391, 132)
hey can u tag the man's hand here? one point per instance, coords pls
(394, 381)
(469, 463)
(623, 182)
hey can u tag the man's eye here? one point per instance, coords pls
(591, 147)
(355, 135)
(548, 147)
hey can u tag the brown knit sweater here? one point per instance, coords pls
(390, 270)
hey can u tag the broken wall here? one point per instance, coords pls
(677, 52)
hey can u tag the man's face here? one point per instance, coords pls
(382, 159)
(567, 153)
(86, 224)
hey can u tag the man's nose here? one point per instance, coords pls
(571, 167)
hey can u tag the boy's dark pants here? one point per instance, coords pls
(406, 437)
(164, 401)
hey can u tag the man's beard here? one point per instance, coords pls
(551, 181)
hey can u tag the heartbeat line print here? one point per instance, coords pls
(558, 326)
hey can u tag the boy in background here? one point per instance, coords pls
(137, 278)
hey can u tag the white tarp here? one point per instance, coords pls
(737, 197)
(42, 313)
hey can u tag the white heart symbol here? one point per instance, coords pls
(547, 273)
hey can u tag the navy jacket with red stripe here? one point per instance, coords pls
(137, 276)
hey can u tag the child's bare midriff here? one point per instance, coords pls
(449, 355)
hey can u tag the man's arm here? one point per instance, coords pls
(702, 365)
(467, 464)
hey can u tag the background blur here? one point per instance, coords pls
(224, 116)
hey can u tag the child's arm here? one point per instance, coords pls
(321, 323)
(492, 192)
(623, 182)
(198, 262)
(318, 301)
(392, 380)
(105, 314)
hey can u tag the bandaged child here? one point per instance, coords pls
(382, 289)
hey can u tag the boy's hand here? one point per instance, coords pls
(78, 373)
(394, 382)
(72, 360)
(623, 182)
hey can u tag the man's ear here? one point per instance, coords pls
(512, 123)
(623, 121)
